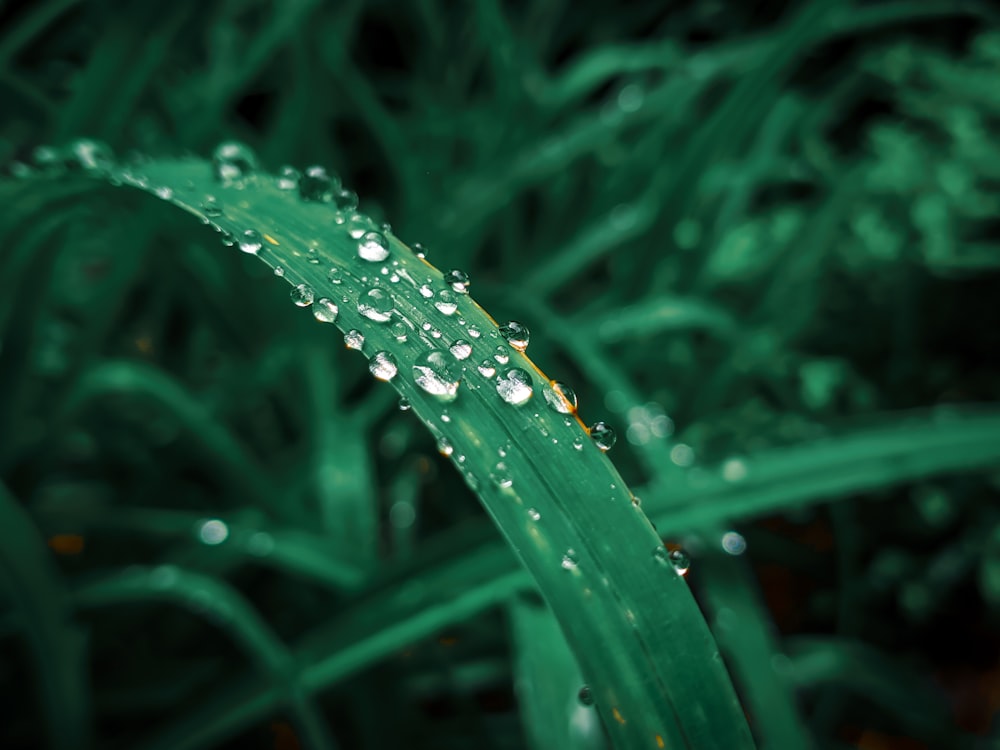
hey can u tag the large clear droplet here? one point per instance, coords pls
(514, 386)
(233, 161)
(383, 366)
(325, 310)
(346, 200)
(303, 295)
(433, 373)
(251, 242)
(373, 247)
(603, 436)
(445, 302)
(457, 280)
(376, 304)
(560, 397)
(517, 335)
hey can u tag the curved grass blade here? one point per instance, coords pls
(42, 613)
(629, 618)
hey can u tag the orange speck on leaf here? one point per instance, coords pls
(270, 239)
(659, 742)
(618, 717)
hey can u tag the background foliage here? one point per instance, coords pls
(762, 239)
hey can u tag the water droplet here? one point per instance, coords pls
(325, 310)
(432, 372)
(358, 224)
(316, 185)
(354, 339)
(312, 255)
(501, 476)
(586, 696)
(486, 369)
(399, 331)
(461, 349)
(213, 531)
(533, 514)
(678, 558)
(376, 304)
(570, 560)
(444, 446)
(578, 443)
(636, 501)
(560, 397)
(279, 271)
(287, 179)
(517, 335)
(93, 156)
(457, 280)
(682, 455)
(734, 469)
(501, 356)
(164, 192)
(335, 276)
(426, 291)
(373, 247)
(514, 386)
(734, 543)
(303, 295)
(346, 200)
(404, 404)
(383, 366)
(420, 250)
(474, 332)
(211, 206)
(603, 436)
(445, 302)
(251, 241)
(233, 161)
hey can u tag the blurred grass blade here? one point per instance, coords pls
(547, 681)
(743, 629)
(915, 446)
(42, 612)
(226, 609)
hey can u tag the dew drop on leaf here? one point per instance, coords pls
(570, 560)
(251, 242)
(373, 247)
(517, 335)
(376, 304)
(383, 366)
(303, 295)
(354, 339)
(325, 310)
(603, 436)
(445, 302)
(335, 276)
(432, 372)
(457, 280)
(404, 404)
(211, 206)
(501, 356)
(461, 349)
(533, 514)
(560, 397)
(287, 179)
(316, 185)
(233, 161)
(444, 446)
(586, 696)
(486, 369)
(346, 200)
(514, 386)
